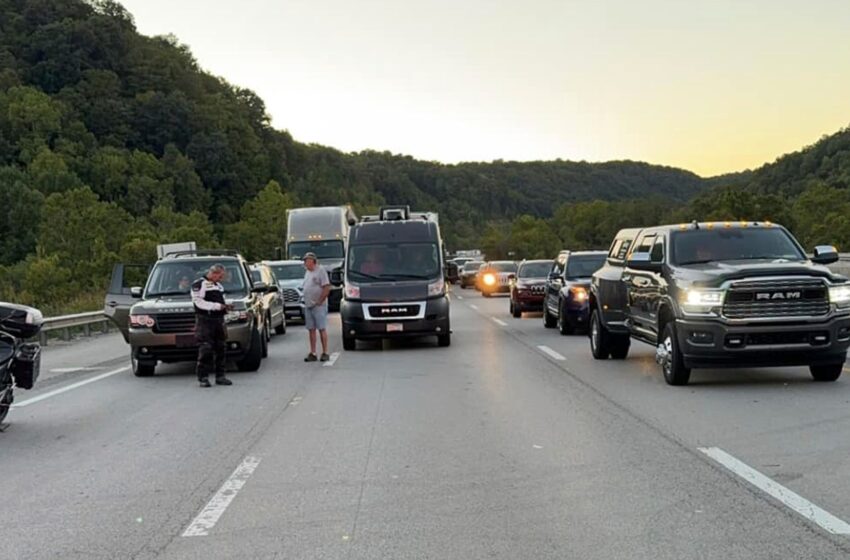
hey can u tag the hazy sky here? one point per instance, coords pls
(708, 85)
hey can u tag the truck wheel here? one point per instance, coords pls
(444, 340)
(254, 357)
(620, 345)
(548, 321)
(600, 346)
(670, 358)
(828, 372)
(142, 369)
(564, 325)
(349, 343)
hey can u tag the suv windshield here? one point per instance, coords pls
(734, 244)
(583, 266)
(503, 266)
(535, 269)
(323, 249)
(175, 278)
(472, 266)
(394, 261)
(294, 271)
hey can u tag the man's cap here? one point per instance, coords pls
(310, 256)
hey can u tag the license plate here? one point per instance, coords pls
(185, 340)
(395, 327)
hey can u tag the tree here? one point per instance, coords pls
(262, 226)
(20, 213)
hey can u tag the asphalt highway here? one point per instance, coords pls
(512, 443)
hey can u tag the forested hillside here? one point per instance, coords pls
(112, 142)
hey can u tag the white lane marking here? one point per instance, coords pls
(551, 353)
(70, 369)
(459, 297)
(332, 360)
(215, 508)
(794, 501)
(473, 306)
(295, 401)
(70, 387)
(499, 322)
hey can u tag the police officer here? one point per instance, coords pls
(210, 331)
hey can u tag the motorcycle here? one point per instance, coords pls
(20, 361)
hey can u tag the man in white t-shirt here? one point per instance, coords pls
(317, 288)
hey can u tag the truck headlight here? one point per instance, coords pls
(236, 317)
(437, 288)
(840, 295)
(142, 321)
(703, 300)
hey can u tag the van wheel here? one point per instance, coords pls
(444, 340)
(349, 343)
(828, 372)
(254, 357)
(670, 358)
(142, 369)
(564, 325)
(548, 321)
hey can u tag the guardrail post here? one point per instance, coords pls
(104, 327)
(42, 338)
(66, 334)
(86, 330)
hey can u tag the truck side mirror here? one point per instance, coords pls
(136, 292)
(825, 254)
(643, 262)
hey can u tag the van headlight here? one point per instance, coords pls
(351, 292)
(840, 295)
(437, 288)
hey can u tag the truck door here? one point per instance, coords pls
(611, 289)
(119, 298)
(638, 285)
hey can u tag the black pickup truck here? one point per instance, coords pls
(721, 295)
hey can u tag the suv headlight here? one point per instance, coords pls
(702, 301)
(437, 288)
(236, 317)
(840, 295)
(142, 321)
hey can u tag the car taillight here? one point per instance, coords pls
(145, 321)
(352, 292)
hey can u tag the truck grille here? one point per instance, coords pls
(290, 295)
(757, 299)
(175, 323)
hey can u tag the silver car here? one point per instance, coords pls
(290, 280)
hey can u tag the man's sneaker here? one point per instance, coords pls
(324, 357)
(310, 357)
(223, 381)
(205, 383)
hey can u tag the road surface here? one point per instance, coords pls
(512, 443)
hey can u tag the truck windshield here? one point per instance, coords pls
(175, 278)
(293, 271)
(394, 261)
(535, 270)
(734, 244)
(333, 249)
(583, 266)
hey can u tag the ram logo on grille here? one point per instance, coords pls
(393, 310)
(770, 296)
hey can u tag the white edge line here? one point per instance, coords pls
(332, 360)
(215, 508)
(790, 499)
(551, 353)
(499, 322)
(70, 387)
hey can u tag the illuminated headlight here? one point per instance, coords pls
(236, 317)
(142, 321)
(840, 295)
(703, 300)
(437, 288)
(352, 292)
(579, 293)
(489, 279)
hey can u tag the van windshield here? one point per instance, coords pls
(332, 249)
(175, 278)
(389, 262)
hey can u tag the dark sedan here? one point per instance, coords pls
(566, 301)
(528, 289)
(469, 273)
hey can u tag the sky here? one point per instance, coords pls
(712, 86)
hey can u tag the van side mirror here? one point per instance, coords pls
(643, 262)
(825, 254)
(136, 292)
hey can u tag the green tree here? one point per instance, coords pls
(262, 226)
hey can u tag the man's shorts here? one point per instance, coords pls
(316, 317)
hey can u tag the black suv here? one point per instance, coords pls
(565, 303)
(721, 295)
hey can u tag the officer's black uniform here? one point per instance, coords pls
(210, 332)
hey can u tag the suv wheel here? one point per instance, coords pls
(516, 311)
(599, 344)
(828, 372)
(254, 357)
(670, 358)
(281, 328)
(142, 369)
(264, 345)
(564, 325)
(548, 321)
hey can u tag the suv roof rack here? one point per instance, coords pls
(204, 253)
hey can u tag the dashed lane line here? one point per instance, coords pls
(789, 499)
(473, 306)
(499, 322)
(70, 387)
(332, 360)
(551, 353)
(218, 504)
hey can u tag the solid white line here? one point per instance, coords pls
(215, 508)
(551, 353)
(807, 509)
(70, 387)
(473, 306)
(333, 358)
(70, 369)
(499, 322)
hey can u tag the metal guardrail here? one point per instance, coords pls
(65, 323)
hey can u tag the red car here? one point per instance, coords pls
(528, 288)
